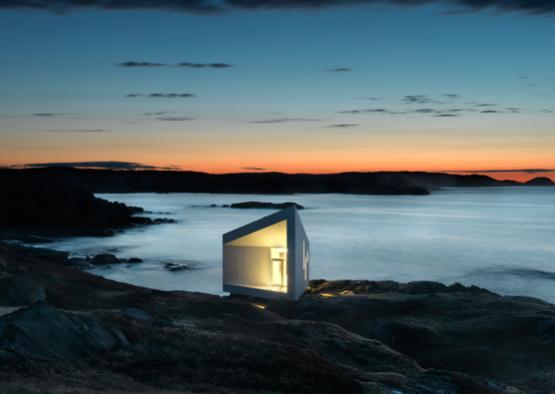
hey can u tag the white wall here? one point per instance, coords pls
(247, 265)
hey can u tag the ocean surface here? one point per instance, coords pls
(500, 238)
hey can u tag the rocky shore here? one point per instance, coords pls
(63, 330)
(33, 211)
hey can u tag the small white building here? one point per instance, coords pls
(267, 258)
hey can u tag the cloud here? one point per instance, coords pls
(46, 114)
(161, 95)
(218, 7)
(171, 95)
(108, 165)
(441, 112)
(174, 118)
(284, 120)
(369, 98)
(250, 168)
(340, 69)
(135, 64)
(159, 113)
(140, 64)
(343, 125)
(417, 99)
(436, 108)
(366, 111)
(78, 131)
(203, 65)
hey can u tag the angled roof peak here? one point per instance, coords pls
(288, 214)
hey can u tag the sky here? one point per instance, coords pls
(367, 86)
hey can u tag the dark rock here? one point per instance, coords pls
(136, 314)
(59, 209)
(340, 337)
(81, 263)
(162, 221)
(176, 266)
(134, 260)
(20, 236)
(19, 289)
(424, 287)
(105, 259)
(45, 331)
(264, 205)
(53, 256)
(53, 207)
(457, 328)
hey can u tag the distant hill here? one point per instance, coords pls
(540, 181)
(386, 183)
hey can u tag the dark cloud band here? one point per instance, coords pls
(78, 131)
(287, 120)
(135, 64)
(203, 65)
(219, 6)
(340, 70)
(161, 95)
(109, 165)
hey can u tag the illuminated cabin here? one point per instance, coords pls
(267, 258)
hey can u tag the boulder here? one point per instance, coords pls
(20, 289)
(45, 331)
(176, 266)
(105, 259)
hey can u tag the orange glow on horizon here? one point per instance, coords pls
(519, 176)
(305, 158)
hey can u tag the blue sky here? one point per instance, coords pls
(66, 65)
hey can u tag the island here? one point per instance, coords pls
(540, 181)
(262, 205)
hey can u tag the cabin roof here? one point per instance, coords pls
(288, 214)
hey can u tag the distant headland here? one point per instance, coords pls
(381, 183)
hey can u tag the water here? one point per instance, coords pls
(499, 238)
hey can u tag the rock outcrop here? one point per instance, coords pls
(38, 208)
(83, 333)
(456, 328)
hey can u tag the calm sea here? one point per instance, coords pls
(500, 238)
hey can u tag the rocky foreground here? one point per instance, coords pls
(63, 330)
